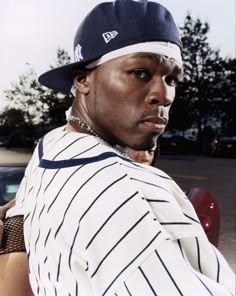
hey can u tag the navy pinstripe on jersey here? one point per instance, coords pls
(98, 224)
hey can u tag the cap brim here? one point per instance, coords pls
(61, 78)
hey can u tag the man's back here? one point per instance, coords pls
(114, 236)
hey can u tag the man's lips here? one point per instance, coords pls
(155, 124)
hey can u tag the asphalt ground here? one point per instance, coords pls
(216, 175)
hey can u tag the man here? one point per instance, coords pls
(95, 222)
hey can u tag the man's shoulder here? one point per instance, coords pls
(60, 149)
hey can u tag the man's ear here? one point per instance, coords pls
(81, 81)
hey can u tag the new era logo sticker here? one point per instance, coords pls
(109, 35)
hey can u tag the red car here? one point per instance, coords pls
(207, 211)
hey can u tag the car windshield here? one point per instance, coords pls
(10, 178)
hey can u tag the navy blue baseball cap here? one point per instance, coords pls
(116, 28)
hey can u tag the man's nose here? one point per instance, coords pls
(160, 93)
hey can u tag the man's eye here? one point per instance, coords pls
(172, 81)
(141, 74)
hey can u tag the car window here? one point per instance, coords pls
(10, 178)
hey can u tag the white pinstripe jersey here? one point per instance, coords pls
(97, 223)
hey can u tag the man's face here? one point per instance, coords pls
(129, 98)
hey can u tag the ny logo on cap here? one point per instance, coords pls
(77, 53)
(109, 35)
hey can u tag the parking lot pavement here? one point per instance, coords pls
(218, 177)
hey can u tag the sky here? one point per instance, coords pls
(32, 30)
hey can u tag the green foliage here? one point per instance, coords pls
(63, 58)
(25, 96)
(38, 104)
(12, 118)
(209, 81)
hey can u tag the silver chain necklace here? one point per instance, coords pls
(84, 125)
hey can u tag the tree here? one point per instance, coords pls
(16, 131)
(12, 118)
(199, 73)
(227, 105)
(24, 96)
(57, 103)
(39, 104)
(206, 78)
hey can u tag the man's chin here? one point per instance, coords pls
(144, 146)
(140, 142)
